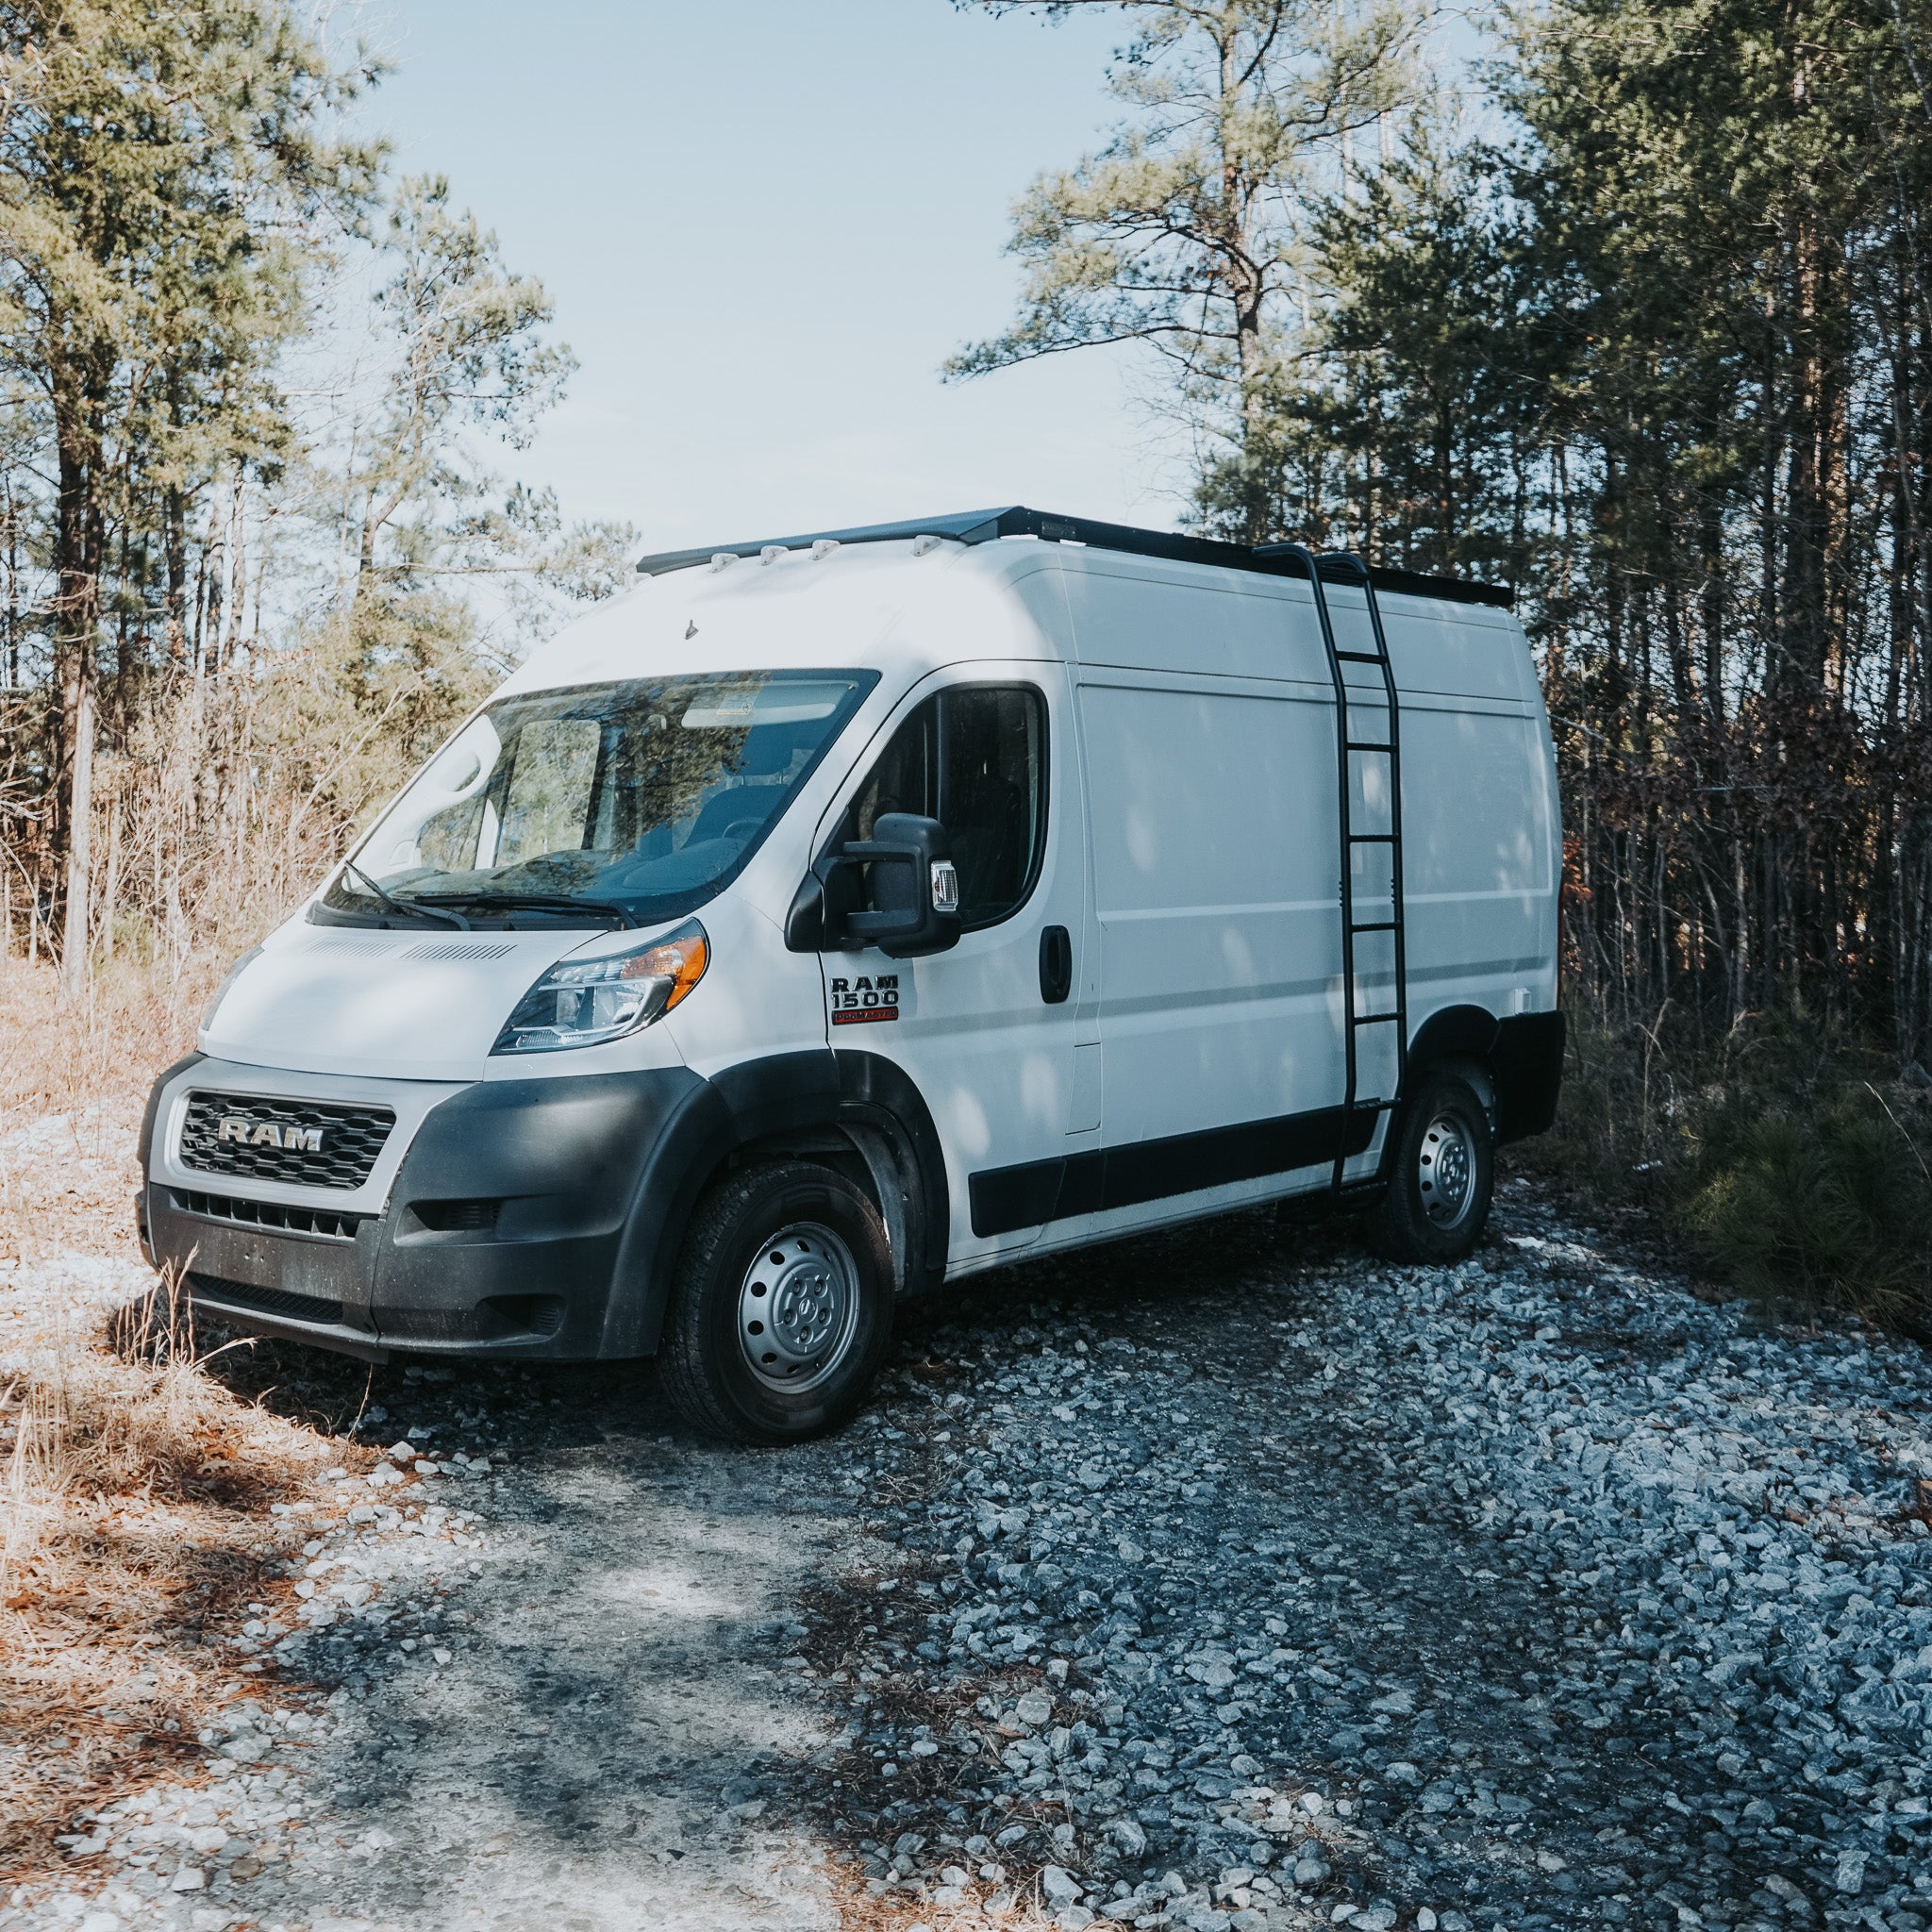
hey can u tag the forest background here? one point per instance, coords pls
(1636, 318)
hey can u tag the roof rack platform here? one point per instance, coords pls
(984, 525)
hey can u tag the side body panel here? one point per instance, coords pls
(1206, 719)
(1481, 825)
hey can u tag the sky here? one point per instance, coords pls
(764, 226)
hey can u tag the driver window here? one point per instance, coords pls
(974, 759)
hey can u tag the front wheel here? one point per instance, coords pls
(1440, 1172)
(783, 1306)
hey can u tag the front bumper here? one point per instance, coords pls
(494, 1229)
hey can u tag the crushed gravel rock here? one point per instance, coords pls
(1252, 1583)
(1227, 1580)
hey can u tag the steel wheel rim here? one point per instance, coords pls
(798, 1307)
(1446, 1169)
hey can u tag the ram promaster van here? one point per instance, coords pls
(830, 919)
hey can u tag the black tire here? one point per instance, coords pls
(775, 1388)
(1441, 1171)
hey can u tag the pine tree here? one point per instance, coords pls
(1180, 233)
(153, 162)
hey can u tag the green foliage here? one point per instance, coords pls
(1180, 233)
(350, 714)
(1808, 1185)
(1789, 1159)
(1619, 1112)
(1420, 401)
(156, 166)
(254, 576)
(462, 339)
(1817, 1207)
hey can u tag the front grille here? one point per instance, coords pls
(323, 1221)
(265, 1301)
(273, 1139)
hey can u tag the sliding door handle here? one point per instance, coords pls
(1056, 964)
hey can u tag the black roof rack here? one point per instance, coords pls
(983, 526)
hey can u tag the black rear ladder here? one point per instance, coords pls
(1350, 568)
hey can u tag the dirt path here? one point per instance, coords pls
(590, 1755)
(1227, 1581)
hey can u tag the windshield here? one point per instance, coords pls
(639, 799)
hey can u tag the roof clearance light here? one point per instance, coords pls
(771, 553)
(723, 560)
(823, 548)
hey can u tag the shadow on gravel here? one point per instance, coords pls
(594, 1753)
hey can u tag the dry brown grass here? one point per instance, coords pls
(73, 1078)
(135, 1534)
(134, 1481)
(859, 1910)
(135, 1485)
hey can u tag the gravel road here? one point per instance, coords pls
(1228, 1579)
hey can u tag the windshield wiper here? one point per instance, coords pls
(540, 902)
(384, 896)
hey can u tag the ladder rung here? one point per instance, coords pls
(1372, 1019)
(1377, 925)
(1372, 839)
(1365, 744)
(1361, 657)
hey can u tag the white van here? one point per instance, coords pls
(830, 919)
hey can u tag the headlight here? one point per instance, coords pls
(586, 1002)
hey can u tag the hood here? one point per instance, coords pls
(414, 1004)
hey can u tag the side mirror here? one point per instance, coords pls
(915, 893)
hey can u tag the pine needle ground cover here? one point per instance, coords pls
(138, 1489)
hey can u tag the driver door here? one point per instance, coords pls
(1000, 1034)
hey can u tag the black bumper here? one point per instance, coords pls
(519, 1226)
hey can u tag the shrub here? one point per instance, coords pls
(1813, 1194)
(1789, 1159)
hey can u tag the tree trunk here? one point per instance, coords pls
(110, 886)
(12, 587)
(78, 541)
(1246, 288)
(238, 566)
(175, 539)
(80, 779)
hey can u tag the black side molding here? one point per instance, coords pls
(1523, 1054)
(1006, 1198)
(1527, 1062)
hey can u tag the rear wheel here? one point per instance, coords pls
(1441, 1172)
(783, 1306)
